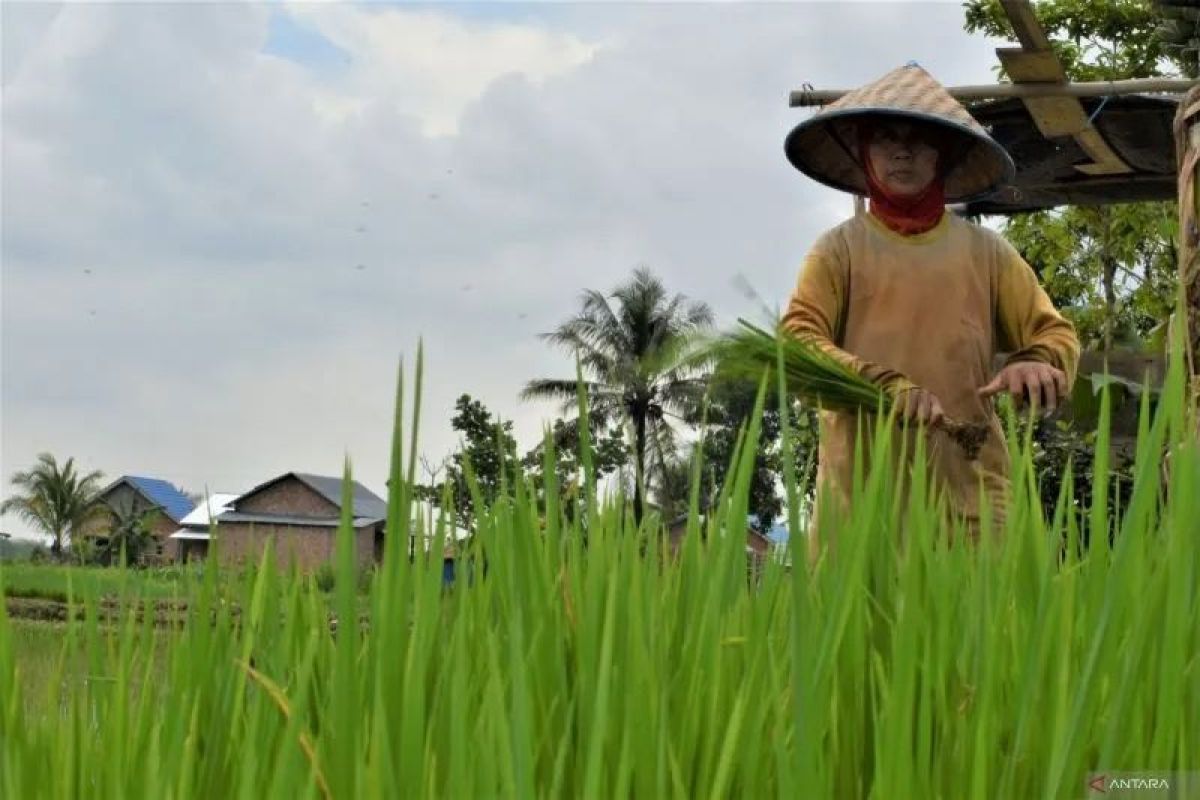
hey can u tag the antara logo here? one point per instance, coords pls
(1104, 784)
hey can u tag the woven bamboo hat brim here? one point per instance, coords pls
(824, 147)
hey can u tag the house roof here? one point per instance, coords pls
(778, 533)
(185, 533)
(750, 520)
(212, 507)
(367, 504)
(1138, 128)
(288, 519)
(174, 503)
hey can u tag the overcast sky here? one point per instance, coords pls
(224, 225)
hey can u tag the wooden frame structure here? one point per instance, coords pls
(801, 98)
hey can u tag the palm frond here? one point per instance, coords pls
(555, 389)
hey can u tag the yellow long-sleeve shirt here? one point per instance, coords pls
(930, 310)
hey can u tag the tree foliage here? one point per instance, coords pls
(730, 405)
(56, 499)
(609, 450)
(490, 450)
(129, 535)
(1095, 40)
(633, 354)
(1110, 269)
(728, 415)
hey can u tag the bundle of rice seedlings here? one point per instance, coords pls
(816, 377)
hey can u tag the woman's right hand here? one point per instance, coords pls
(921, 407)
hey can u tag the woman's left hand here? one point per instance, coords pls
(1040, 383)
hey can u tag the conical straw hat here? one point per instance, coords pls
(824, 147)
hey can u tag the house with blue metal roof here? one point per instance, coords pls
(164, 504)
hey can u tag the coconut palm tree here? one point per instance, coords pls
(129, 537)
(56, 499)
(633, 355)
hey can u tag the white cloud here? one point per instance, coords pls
(432, 63)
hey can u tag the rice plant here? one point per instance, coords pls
(577, 657)
(812, 374)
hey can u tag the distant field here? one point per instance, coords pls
(38, 647)
(56, 582)
(16, 549)
(48, 666)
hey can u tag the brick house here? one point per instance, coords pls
(195, 530)
(299, 513)
(164, 505)
(758, 546)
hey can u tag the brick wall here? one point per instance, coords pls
(161, 527)
(758, 544)
(289, 496)
(307, 547)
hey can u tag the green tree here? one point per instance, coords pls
(1111, 268)
(632, 353)
(730, 405)
(57, 500)
(129, 534)
(1095, 40)
(488, 445)
(672, 490)
(610, 453)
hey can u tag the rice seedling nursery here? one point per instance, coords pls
(579, 659)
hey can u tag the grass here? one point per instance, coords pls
(38, 646)
(584, 663)
(52, 582)
(51, 667)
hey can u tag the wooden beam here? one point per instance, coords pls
(1036, 63)
(1031, 66)
(1057, 116)
(801, 98)
(1100, 181)
(1105, 161)
(1025, 24)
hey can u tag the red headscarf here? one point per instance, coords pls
(906, 215)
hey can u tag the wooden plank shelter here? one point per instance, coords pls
(806, 97)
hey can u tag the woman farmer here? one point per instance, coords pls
(916, 299)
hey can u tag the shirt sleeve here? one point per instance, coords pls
(1028, 325)
(816, 314)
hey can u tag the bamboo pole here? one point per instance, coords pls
(800, 98)
(1187, 152)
